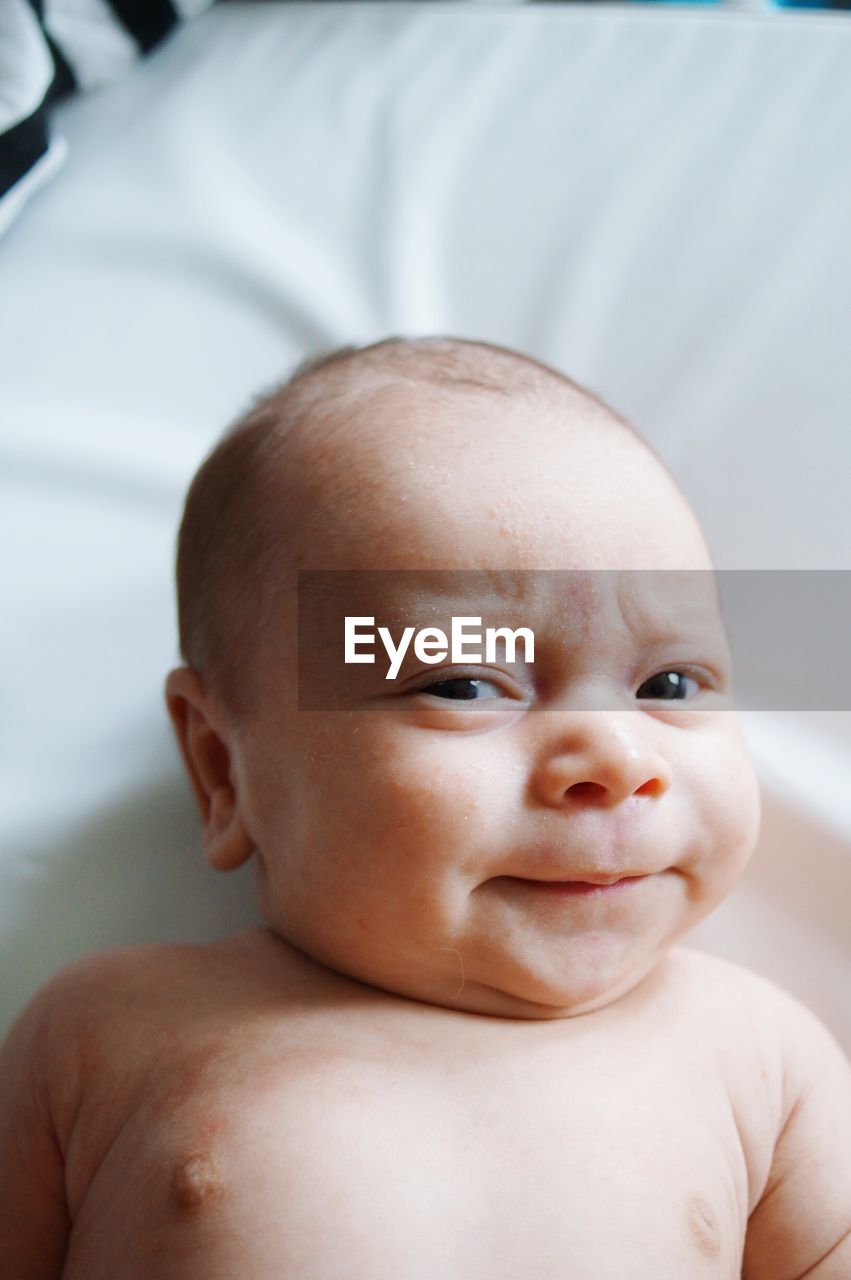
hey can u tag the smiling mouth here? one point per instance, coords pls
(578, 888)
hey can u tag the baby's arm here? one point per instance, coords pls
(801, 1227)
(34, 1221)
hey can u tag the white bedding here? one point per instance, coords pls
(655, 200)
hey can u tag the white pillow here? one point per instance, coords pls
(52, 50)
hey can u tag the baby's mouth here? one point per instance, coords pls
(578, 888)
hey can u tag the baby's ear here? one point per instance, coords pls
(206, 754)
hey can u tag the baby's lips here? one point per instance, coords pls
(572, 876)
(592, 877)
(596, 863)
(581, 888)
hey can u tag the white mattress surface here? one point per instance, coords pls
(655, 200)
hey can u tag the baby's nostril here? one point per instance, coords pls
(652, 787)
(587, 791)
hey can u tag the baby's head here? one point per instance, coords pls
(406, 848)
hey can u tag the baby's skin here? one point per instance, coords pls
(212, 1113)
(431, 1063)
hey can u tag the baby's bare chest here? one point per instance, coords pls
(318, 1166)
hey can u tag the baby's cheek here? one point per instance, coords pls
(744, 786)
(437, 812)
(730, 806)
(422, 798)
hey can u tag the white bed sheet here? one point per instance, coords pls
(655, 200)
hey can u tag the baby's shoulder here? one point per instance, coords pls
(775, 1047)
(768, 1048)
(124, 998)
(119, 1006)
(113, 1029)
(106, 988)
(726, 992)
(710, 976)
(84, 1034)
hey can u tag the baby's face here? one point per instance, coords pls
(404, 838)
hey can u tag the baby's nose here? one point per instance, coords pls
(601, 758)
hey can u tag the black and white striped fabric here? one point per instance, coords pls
(49, 48)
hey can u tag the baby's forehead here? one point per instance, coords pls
(378, 449)
(394, 478)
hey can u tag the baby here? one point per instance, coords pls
(465, 1045)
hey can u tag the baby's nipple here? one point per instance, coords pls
(196, 1180)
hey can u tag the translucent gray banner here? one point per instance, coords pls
(516, 640)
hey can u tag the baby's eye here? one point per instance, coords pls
(667, 686)
(459, 689)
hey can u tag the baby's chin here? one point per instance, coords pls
(534, 998)
(509, 990)
(536, 984)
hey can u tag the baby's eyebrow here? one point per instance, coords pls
(653, 603)
(399, 595)
(655, 606)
